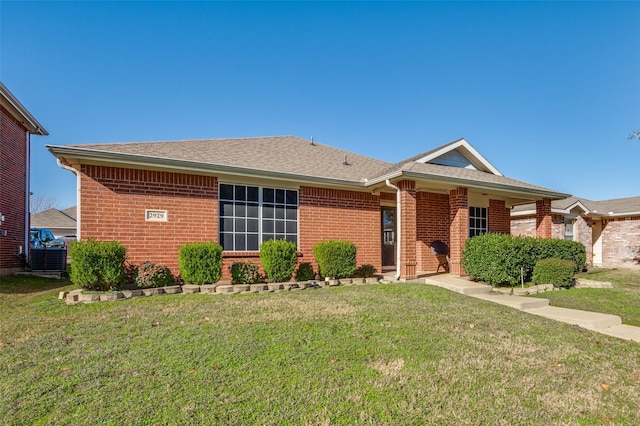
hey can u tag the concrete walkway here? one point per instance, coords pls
(610, 325)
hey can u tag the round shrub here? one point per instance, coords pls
(151, 275)
(305, 272)
(98, 265)
(245, 272)
(558, 272)
(365, 271)
(200, 263)
(279, 259)
(336, 258)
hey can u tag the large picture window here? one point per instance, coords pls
(477, 221)
(250, 215)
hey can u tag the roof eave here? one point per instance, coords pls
(13, 105)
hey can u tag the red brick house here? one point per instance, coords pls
(155, 196)
(609, 229)
(16, 127)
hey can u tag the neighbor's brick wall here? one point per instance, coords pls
(524, 226)
(621, 242)
(557, 227)
(113, 203)
(432, 216)
(582, 233)
(13, 189)
(340, 214)
(499, 217)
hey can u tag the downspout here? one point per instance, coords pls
(398, 225)
(27, 201)
(75, 172)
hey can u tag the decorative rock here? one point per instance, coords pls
(88, 298)
(255, 288)
(241, 288)
(111, 297)
(152, 291)
(274, 286)
(504, 290)
(333, 283)
(190, 288)
(208, 288)
(533, 290)
(63, 295)
(517, 291)
(222, 289)
(289, 286)
(372, 280)
(172, 289)
(128, 294)
(304, 284)
(357, 280)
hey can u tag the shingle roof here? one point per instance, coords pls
(616, 206)
(53, 218)
(282, 154)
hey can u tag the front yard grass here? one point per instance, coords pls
(622, 300)
(376, 354)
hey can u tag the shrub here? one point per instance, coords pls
(244, 272)
(151, 275)
(305, 272)
(98, 265)
(499, 258)
(279, 259)
(200, 263)
(335, 258)
(365, 271)
(558, 272)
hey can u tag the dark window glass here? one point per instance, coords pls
(280, 196)
(267, 226)
(227, 241)
(267, 237)
(252, 193)
(241, 210)
(279, 212)
(291, 227)
(226, 225)
(268, 195)
(226, 192)
(226, 208)
(252, 210)
(292, 197)
(241, 193)
(292, 212)
(292, 238)
(267, 211)
(252, 242)
(241, 225)
(252, 225)
(240, 242)
(279, 226)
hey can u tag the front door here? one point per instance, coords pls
(388, 238)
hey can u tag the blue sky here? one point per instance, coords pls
(546, 91)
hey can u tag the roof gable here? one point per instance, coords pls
(458, 153)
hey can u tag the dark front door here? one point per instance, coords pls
(388, 237)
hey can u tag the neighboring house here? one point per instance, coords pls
(61, 222)
(609, 229)
(16, 127)
(153, 197)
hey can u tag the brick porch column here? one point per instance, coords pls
(543, 218)
(499, 217)
(459, 228)
(408, 250)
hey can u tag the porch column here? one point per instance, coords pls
(408, 237)
(499, 217)
(458, 228)
(543, 218)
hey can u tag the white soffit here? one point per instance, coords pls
(466, 150)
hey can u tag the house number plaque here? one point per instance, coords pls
(156, 215)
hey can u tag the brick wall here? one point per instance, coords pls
(582, 234)
(557, 227)
(13, 187)
(408, 225)
(339, 214)
(459, 228)
(432, 217)
(499, 217)
(524, 226)
(113, 203)
(543, 218)
(621, 242)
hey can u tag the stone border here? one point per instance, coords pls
(79, 296)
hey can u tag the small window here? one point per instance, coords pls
(478, 222)
(568, 229)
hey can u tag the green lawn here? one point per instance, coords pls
(373, 354)
(622, 300)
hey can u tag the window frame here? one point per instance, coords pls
(276, 215)
(480, 222)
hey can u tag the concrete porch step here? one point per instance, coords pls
(517, 302)
(589, 320)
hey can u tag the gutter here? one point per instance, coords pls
(398, 225)
(77, 173)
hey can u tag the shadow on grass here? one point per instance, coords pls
(26, 284)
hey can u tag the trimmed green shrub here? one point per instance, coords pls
(558, 272)
(151, 275)
(336, 258)
(200, 263)
(98, 265)
(245, 272)
(365, 271)
(500, 258)
(305, 272)
(279, 259)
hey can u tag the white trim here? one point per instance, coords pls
(398, 228)
(15, 108)
(466, 150)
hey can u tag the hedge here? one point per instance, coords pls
(97, 265)
(336, 258)
(200, 263)
(498, 258)
(558, 272)
(279, 259)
